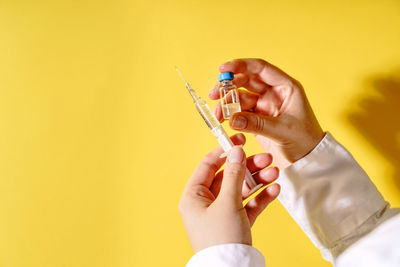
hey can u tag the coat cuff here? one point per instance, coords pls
(228, 255)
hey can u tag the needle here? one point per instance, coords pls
(192, 92)
(180, 74)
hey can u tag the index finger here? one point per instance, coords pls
(205, 172)
(267, 72)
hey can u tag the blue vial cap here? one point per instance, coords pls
(225, 76)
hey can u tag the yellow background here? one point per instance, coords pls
(98, 136)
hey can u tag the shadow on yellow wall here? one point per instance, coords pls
(378, 119)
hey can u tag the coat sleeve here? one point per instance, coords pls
(227, 255)
(380, 248)
(331, 198)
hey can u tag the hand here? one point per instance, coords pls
(275, 108)
(211, 205)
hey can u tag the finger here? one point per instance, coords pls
(255, 163)
(267, 126)
(267, 176)
(258, 162)
(252, 83)
(218, 112)
(216, 185)
(261, 201)
(239, 80)
(214, 92)
(247, 102)
(235, 167)
(267, 72)
(205, 172)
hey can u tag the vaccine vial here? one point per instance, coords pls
(229, 95)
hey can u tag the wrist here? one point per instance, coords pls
(307, 145)
(285, 154)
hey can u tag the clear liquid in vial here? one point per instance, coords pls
(229, 95)
(229, 109)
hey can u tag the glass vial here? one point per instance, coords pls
(229, 95)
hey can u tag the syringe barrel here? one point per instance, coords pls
(222, 137)
(207, 115)
(226, 144)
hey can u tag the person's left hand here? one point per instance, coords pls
(211, 205)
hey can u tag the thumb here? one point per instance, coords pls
(234, 172)
(257, 124)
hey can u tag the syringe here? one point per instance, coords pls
(217, 130)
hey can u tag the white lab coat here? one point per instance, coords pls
(337, 206)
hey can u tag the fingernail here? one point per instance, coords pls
(236, 155)
(239, 122)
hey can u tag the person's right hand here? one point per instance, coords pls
(275, 108)
(212, 202)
